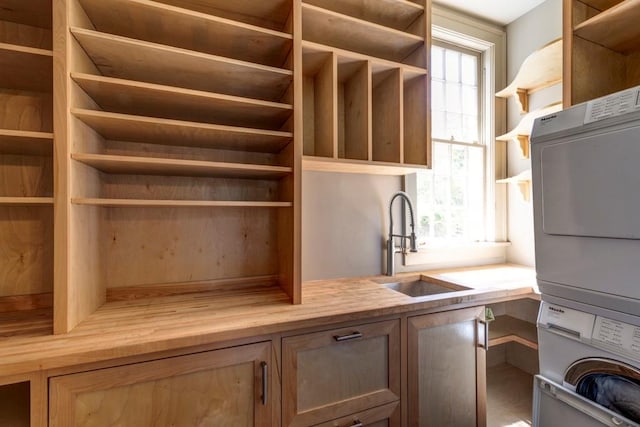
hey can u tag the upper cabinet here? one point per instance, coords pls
(365, 85)
(601, 48)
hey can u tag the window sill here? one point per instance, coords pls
(446, 255)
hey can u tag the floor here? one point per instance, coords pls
(509, 397)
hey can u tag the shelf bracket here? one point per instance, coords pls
(523, 142)
(522, 96)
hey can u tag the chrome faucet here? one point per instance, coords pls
(392, 249)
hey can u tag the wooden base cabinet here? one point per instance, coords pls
(446, 369)
(332, 376)
(228, 387)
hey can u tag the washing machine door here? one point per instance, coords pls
(555, 405)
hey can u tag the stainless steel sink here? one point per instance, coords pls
(422, 287)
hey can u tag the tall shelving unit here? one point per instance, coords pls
(601, 51)
(365, 85)
(181, 164)
(26, 168)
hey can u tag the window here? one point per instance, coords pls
(451, 197)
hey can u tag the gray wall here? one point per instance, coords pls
(524, 36)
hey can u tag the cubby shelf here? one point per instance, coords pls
(132, 97)
(156, 166)
(396, 14)
(541, 69)
(143, 203)
(25, 68)
(342, 31)
(26, 323)
(132, 128)
(409, 71)
(25, 142)
(189, 30)
(601, 29)
(510, 329)
(121, 57)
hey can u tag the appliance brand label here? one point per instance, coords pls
(572, 322)
(620, 336)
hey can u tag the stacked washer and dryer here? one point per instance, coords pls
(586, 195)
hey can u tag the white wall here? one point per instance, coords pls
(344, 219)
(524, 36)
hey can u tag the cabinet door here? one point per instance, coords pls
(446, 370)
(332, 374)
(226, 387)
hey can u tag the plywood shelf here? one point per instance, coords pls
(522, 131)
(408, 71)
(131, 97)
(25, 68)
(510, 329)
(189, 30)
(156, 166)
(604, 28)
(124, 127)
(123, 57)
(541, 69)
(25, 142)
(25, 201)
(143, 203)
(345, 32)
(326, 164)
(36, 13)
(272, 14)
(26, 323)
(397, 14)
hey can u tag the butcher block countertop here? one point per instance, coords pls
(138, 327)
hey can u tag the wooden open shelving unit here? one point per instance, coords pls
(177, 126)
(601, 51)
(174, 131)
(365, 86)
(26, 169)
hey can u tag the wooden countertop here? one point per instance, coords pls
(137, 327)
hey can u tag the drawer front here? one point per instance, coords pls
(339, 372)
(382, 416)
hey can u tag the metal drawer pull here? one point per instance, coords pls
(485, 343)
(352, 336)
(356, 423)
(265, 381)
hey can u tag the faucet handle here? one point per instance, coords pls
(412, 240)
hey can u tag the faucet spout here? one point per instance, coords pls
(391, 248)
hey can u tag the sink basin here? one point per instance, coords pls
(422, 287)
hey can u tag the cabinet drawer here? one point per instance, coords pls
(227, 387)
(335, 373)
(382, 416)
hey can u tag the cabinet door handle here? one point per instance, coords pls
(485, 341)
(265, 381)
(352, 336)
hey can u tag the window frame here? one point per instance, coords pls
(490, 41)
